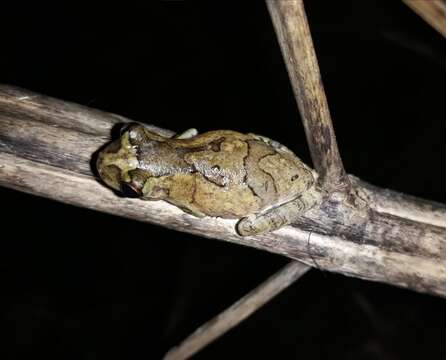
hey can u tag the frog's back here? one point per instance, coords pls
(238, 174)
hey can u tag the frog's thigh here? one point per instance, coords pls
(189, 133)
(274, 218)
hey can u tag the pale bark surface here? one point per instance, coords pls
(47, 145)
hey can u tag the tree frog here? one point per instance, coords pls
(219, 173)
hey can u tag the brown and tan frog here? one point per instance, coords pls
(219, 173)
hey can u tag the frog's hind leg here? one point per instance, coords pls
(277, 217)
(189, 133)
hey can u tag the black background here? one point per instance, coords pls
(81, 284)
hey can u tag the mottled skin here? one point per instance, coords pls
(219, 173)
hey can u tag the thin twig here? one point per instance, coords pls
(293, 33)
(238, 311)
(432, 11)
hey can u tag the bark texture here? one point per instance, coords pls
(47, 147)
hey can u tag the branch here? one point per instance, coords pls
(293, 33)
(46, 146)
(433, 12)
(238, 311)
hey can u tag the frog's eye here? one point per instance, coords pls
(136, 133)
(129, 127)
(130, 190)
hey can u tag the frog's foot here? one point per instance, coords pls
(277, 217)
(189, 133)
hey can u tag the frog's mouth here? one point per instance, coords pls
(130, 190)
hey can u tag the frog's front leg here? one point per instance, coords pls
(275, 218)
(189, 133)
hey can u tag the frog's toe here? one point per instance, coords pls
(265, 222)
(247, 226)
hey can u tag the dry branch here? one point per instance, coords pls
(432, 11)
(293, 33)
(238, 312)
(46, 147)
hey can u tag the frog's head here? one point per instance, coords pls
(117, 163)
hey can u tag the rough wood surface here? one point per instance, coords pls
(293, 34)
(432, 11)
(238, 311)
(46, 147)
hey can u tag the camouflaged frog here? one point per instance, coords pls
(218, 173)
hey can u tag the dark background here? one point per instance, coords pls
(77, 284)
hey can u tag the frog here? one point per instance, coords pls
(219, 173)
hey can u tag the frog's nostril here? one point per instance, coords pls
(129, 190)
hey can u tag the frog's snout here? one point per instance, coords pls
(116, 161)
